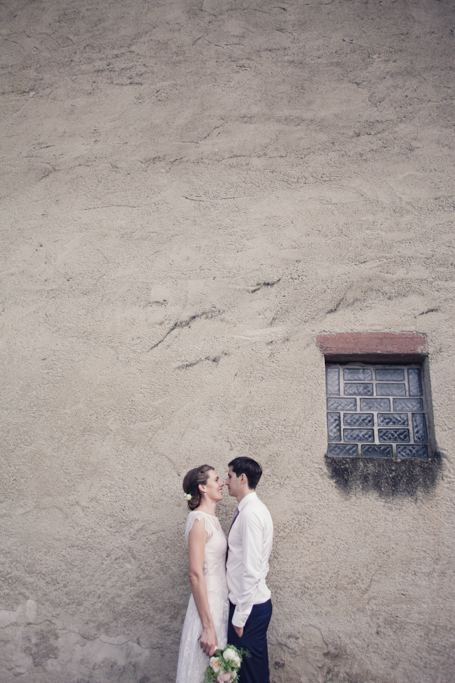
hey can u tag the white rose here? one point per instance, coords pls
(232, 655)
(229, 653)
(215, 663)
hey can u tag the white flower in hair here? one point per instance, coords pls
(187, 496)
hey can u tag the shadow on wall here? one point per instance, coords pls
(386, 478)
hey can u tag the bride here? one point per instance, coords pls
(205, 626)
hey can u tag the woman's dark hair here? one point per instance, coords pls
(191, 484)
(249, 467)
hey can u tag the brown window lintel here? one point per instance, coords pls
(370, 347)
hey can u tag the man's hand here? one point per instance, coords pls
(209, 641)
(238, 630)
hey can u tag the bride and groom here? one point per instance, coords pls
(230, 601)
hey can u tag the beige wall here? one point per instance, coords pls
(161, 160)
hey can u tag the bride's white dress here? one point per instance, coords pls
(192, 661)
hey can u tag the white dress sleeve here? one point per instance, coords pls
(192, 517)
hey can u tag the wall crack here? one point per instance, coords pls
(180, 324)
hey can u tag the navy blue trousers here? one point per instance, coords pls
(255, 669)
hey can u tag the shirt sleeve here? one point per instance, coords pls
(251, 570)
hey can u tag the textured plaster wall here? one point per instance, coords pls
(191, 192)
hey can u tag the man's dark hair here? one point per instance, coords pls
(249, 467)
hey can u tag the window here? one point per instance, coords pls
(376, 411)
(377, 403)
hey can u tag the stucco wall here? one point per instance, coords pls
(192, 191)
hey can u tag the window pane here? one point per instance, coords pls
(376, 411)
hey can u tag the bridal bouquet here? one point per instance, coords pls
(225, 664)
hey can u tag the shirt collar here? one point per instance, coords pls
(251, 496)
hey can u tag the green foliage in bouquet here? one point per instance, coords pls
(225, 664)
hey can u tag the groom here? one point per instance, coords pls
(249, 546)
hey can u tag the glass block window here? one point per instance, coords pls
(376, 411)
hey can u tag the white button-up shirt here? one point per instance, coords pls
(250, 544)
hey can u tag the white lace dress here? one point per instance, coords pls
(192, 661)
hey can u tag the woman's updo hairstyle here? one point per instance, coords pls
(191, 483)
